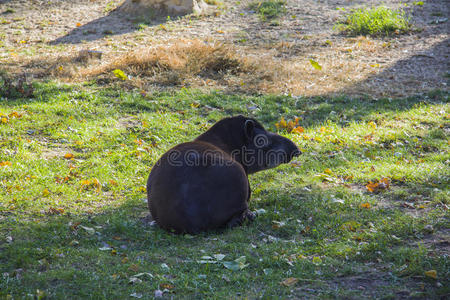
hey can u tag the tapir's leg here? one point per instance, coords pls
(248, 214)
(236, 220)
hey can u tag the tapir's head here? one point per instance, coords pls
(246, 140)
(264, 149)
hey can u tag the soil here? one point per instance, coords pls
(394, 66)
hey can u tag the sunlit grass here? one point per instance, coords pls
(317, 223)
(378, 20)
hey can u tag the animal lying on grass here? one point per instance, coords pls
(203, 184)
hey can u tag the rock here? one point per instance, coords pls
(161, 8)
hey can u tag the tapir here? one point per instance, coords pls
(203, 184)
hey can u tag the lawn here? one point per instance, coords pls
(362, 213)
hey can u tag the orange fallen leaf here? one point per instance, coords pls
(5, 163)
(55, 211)
(15, 114)
(289, 281)
(298, 130)
(78, 24)
(68, 156)
(365, 205)
(382, 184)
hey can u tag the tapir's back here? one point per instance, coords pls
(196, 186)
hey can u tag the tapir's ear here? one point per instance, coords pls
(249, 129)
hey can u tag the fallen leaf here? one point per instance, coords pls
(289, 281)
(365, 205)
(55, 211)
(431, 274)
(88, 229)
(136, 295)
(219, 256)
(328, 171)
(5, 163)
(373, 125)
(120, 74)
(315, 64)
(382, 184)
(317, 260)
(298, 130)
(68, 156)
(133, 268)
(166, 286)
(78, 24)
(45, 192)
(134, 280)
(236, 265)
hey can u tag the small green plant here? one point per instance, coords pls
(375, 21)
(270, 9)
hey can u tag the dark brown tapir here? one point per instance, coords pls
(203, 184)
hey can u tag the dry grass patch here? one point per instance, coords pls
(184, 62)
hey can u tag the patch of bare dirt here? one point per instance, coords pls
(44, 39)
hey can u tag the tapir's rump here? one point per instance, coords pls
(203, 184)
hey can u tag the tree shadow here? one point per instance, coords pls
(413, 75)
(115, 23)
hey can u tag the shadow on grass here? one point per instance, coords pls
(65, 252)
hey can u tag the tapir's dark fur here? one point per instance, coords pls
(203, 184)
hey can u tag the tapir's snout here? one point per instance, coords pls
(295, 153)
(290, 149)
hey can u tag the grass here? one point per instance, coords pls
(71, 227)
(270, 9)
(376, 21)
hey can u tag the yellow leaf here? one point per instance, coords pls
(431, 274)
(315, 64)
(328, 171)
(120, 74)
(289, 281)
(373, 125)
(317, 260)
(45, 193)
(68, 156)
(282, 123)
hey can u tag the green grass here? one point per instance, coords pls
(376, 21)
(63, 238)
(270, 9)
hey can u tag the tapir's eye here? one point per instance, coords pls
(261, 140)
